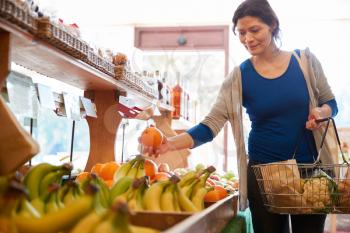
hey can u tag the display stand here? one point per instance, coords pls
(25, 49)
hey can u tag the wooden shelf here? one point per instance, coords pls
(38, 55)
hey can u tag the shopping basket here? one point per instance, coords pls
(290, 188)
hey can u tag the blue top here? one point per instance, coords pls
(278, 109)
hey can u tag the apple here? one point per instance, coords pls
(163, 167)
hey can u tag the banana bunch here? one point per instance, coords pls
(134, 194)
(115, 220)
(11, 191)
(102, 199)
(133, 169)
(38, 180)
(69, 192)
(177, 195)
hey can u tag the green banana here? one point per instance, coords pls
(50, 178)
(120, 187)
(167, 199)
(34, 177)
(124, 169)
(133, 170)
(52, 204)
(88, 223)
(184, 201)
(151, 198)
(141, 169)
(61, 220)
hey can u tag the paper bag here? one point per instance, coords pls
(282, 185)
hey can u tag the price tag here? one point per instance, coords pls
(72, 106)
(46, 97)
(89, 107)
(22, 95)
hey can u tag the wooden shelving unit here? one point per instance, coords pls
(23, 48)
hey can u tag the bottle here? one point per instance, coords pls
(176, 94)
(160, 85)
(166, 89)
(187, 101)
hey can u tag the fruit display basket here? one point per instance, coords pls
(212, 219)
(99, 62)
(62, 39)
(290, 188)
(19, 15)
(132, 80)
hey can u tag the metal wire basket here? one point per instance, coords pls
(290, 188)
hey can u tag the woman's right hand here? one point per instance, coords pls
(156, 151)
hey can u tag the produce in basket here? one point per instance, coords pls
(319, 191)
(343, 204)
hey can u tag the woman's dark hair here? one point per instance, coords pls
(260, 9)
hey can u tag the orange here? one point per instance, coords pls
(215, 195)
(109, 183)
(96, 168)
(150, 168)
(108, 169)
(82, 176)
(151, 136)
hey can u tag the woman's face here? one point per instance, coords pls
(254, 34)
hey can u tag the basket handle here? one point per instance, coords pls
(329, 119)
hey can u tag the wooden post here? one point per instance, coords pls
(5, 61)
(103, 129)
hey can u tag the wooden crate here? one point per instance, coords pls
(212, 219)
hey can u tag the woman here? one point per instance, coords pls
(283, 93)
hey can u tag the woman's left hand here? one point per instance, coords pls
(315, 114)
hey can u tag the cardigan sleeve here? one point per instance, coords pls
(218, 114)
(325, 93)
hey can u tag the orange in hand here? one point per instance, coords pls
(152, 137)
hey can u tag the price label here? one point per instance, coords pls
(89, 107)
(46, 97)
(22, 95)
(72, 106)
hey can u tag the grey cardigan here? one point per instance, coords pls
(228, 107)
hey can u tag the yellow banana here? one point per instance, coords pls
(176, 201)
(26, 209)
(61, 220)
(138, 229)
(34, 177)
(39, 205)
(151, 198)
(69, 197)
(7, 225)
(188, 177)
(88, 223)
(167, 199)
(184, 201)
(104, 227)
(198, 197)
